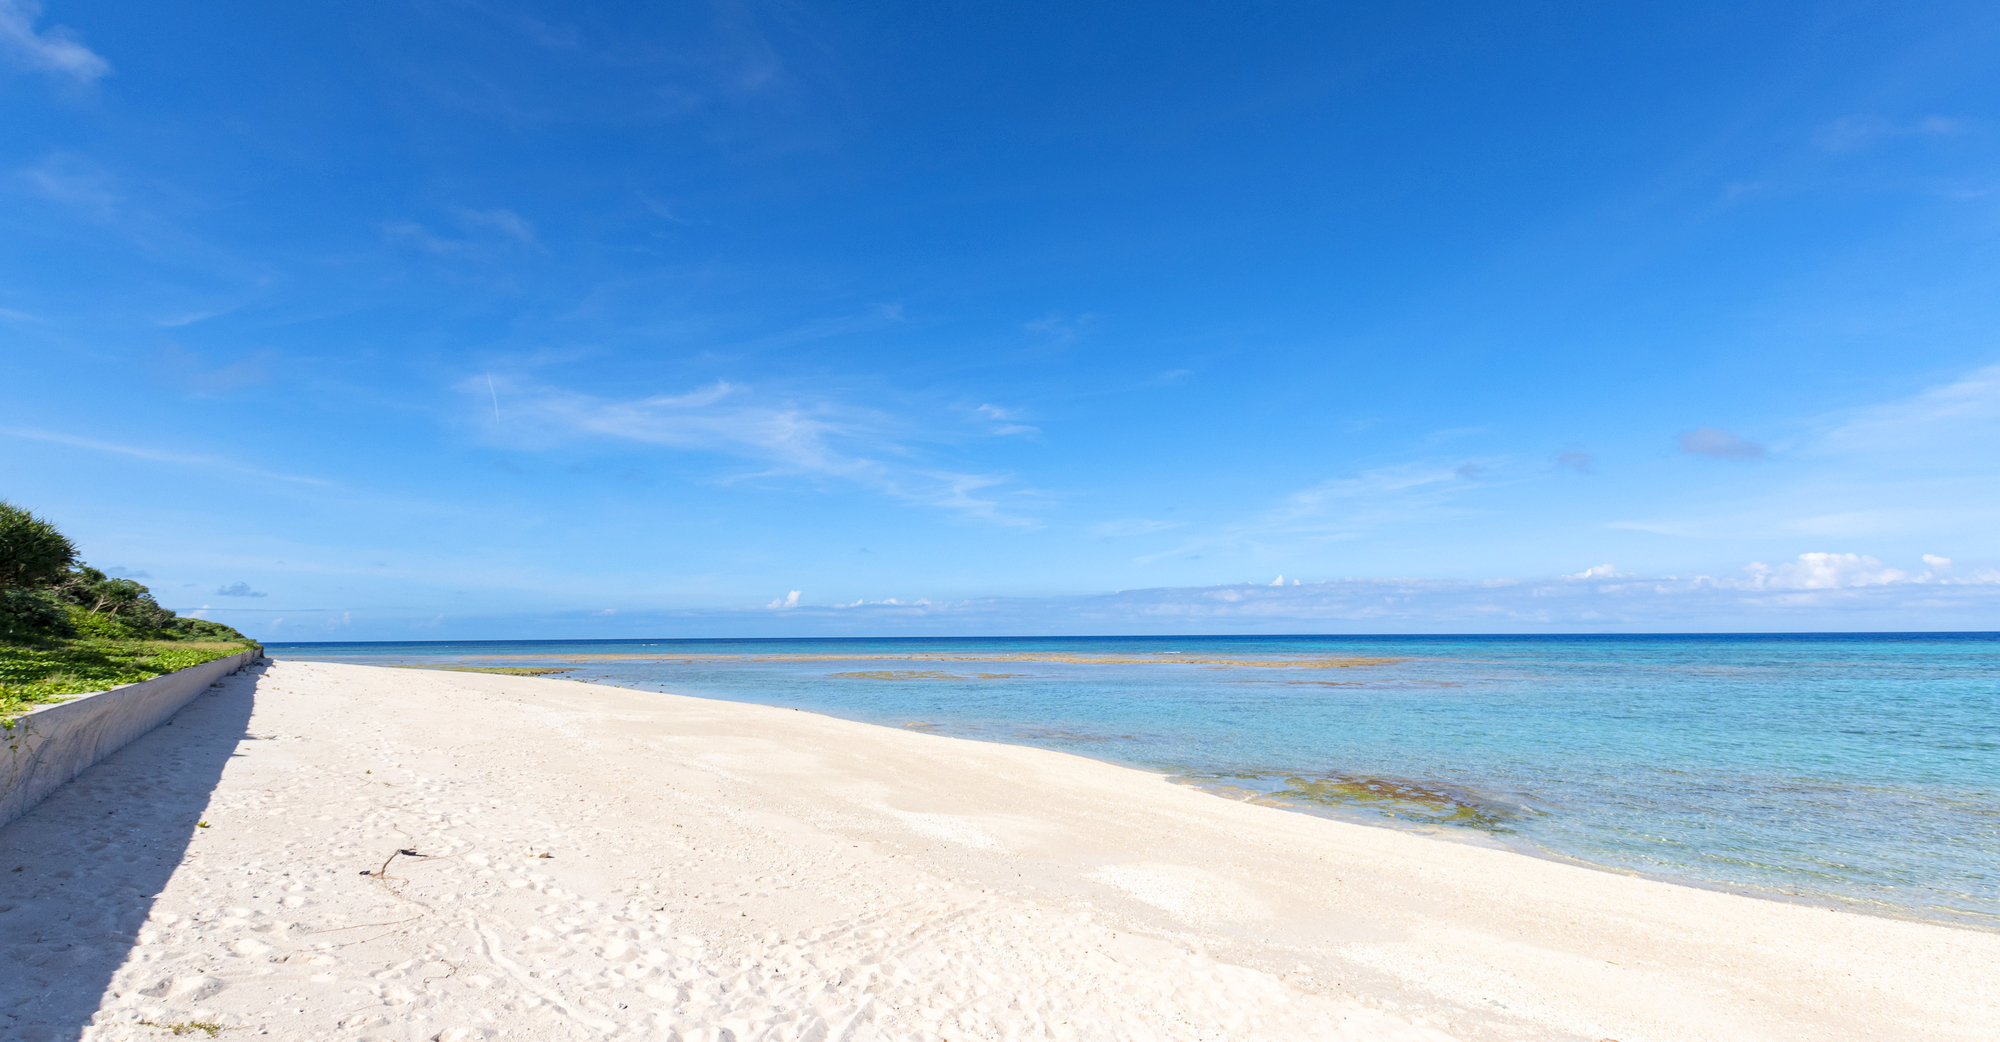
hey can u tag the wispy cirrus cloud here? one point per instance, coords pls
(208, 462)
(814, 439)
(502, 220)
(1004, 419)
(1940, 423)
(1061, 328)
(74, 181)
(483, 233)
(1853, 133)
(55, 49)
(1348, 507)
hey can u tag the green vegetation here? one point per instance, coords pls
(1423, 802)
(67, 628)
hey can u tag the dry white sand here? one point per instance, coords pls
(724, 871)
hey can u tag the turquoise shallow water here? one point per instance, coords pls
(1860, 769)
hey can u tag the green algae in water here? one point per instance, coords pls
(1414, 801)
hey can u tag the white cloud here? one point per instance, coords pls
(1831, 571)
(1820, 591)
(995, 412)
(1824, 571)
(790, 600)
(957, 495)
(817, 439)
(55, 49)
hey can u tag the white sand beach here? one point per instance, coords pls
(587, 862)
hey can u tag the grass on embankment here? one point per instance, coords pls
(32, 675)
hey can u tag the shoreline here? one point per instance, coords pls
(1487, 841)
(1469, 836)
(724, 864)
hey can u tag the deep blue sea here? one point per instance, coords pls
(1854, 769)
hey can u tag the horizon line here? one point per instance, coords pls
(1165, 636)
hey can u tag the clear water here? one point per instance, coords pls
(1862, 769)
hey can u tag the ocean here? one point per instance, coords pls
(1857, 770)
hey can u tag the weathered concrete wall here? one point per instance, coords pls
(53, 744)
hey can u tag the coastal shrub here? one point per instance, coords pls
(205, 629)
(123, 600)
(33, 554)
(28, 616)
(67, 628)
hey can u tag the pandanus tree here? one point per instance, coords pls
(33, 554)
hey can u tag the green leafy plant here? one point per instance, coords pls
(33, 554)
(46, 673)
(67, 628)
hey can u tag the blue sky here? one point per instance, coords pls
(459, 319)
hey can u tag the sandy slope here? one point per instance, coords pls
(721, 871)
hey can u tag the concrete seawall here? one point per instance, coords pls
(49, 746)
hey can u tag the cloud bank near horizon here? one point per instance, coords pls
(1818, 592)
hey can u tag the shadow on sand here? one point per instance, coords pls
(78, 873)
